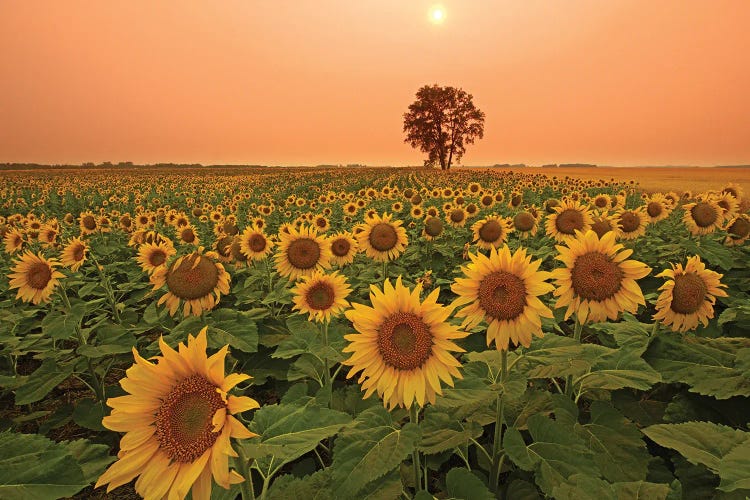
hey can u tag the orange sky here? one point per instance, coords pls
(621, 82)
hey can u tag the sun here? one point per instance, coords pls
(437, 14)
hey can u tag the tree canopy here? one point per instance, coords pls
(441, 122)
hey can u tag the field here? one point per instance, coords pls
(407, 333)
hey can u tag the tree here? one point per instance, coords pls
(441, 122)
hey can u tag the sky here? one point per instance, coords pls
(306, 82)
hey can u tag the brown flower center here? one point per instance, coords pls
(383, 237)
(457, 215)
(490, 231)
(340, 247)
(196, 277)
(321, 222)
(303, 253)
(688, 293)
(550, 205)
(320, 296)
(184, 426)
(502, 295)
(568, 221)
(78, 252)
(629, 221)
(157, 257)
(257, 242)
(187, 235)
(236, 251)
(89, 222)
(38, 275)
(416, 199)
(408, 193)
(516, 200)
(404, 341)
(224, 246)
(703, 214)
(724, 204)
(601, 227)
(654, 209)
(486, 200)
(595, 276)
(740, 228)
(601, 202)
(433, 227)
(524, 221)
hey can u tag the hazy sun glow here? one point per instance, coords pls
(437, 14)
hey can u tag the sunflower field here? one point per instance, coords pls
(371, 334)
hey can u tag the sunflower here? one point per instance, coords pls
(13, 241)
(487, 200)
(74, 254)
(35, 277)
(631, 223)
(433, 228)
(456, 217)
(343, 248)
(254, 243)
(196, 279)
(48, 236)
(322, 296)
(657, 207)
(702, 217)
(188, 235)
(738, 230)
(569, 217)
(733, 189)
(603, 222)
(492, 231)
(87, 223)
(382, 238)
(526, 224)
(416, 212)
(151, 256)
(302, 252)
(688, 296)
(223, 247)
(403, 345)
(177, 417)
(601, 201)
(597, 281)
(321, 223)
(503, 290)
(729, 205)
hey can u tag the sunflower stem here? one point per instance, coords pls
(569, 379)
(385, 271)
(247, 487)
(655, 329)
(328, 381)
(108, 288)
(499, 419)
(414, 418)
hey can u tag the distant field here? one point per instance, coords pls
(661, 179)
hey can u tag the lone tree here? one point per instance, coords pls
(440, 122)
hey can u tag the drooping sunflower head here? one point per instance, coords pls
(734, 190)
(491, 232)
(728, 204)
(569, 217)
(344, 247)
(503, 290)
(403, 345)
(151, 256)
(702, 217)
(178, 420)
(322, 296)
(631, 223)
(688, 296)
(525, 224)
(738, 230)
(382, 238)
(74, 254)
(35, 277)
(598, 280)
(197, 280)
(302, 252)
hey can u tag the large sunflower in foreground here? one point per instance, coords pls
(35, 277)
(74, 254)
(492, 231)
(381, 238)
(503, 290)
(177, 419)
(403, 345)
(569, 217)
(688, 296)
(598, 280)
(320, 295)
(302, 252)
(197, 280)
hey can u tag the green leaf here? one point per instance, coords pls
(712, 367)
(58, 325)
(462, 484)
(734, 467)
(45, 378)
(369, 448)
(92, 458)
(582, 487)
(556, 356)
(316, 486)
(235, 328)
(554, 455)
(441, 432)
(88, 413)
(700, 442)
(290, 429)
(618, 369)
(518, 489)
(33, 467)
